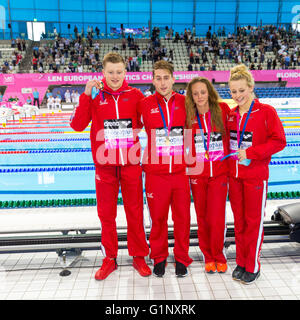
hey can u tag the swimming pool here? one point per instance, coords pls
(44, 162)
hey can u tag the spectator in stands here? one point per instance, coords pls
(76, 32)
(197, 57)
(269, 63)
(57, 61)
(191, 57)
(287, 60)
(97, 32)
(23, 45)
(13, 59)
(40, 69)
(34, 63)
(177, 37)
(19, 44)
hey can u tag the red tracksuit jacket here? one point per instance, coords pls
(218, 146)
(159, 157)
(264, 136)
(115, 124)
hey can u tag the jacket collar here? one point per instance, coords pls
(255, 106)
(162, 98)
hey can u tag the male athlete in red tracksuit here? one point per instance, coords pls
(264, 135)
(209, 187)
(166, 182)
(116, 154)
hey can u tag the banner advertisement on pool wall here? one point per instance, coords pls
(41, 81)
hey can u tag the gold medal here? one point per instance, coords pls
(167, 141)
(206, 155)
(101, 85)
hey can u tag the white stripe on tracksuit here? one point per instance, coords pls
(261, 227)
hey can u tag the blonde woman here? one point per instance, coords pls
(206, 119)
(256, 133)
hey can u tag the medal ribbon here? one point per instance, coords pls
(240, 137)
(167, 129)
(96, 91)
(206, 144)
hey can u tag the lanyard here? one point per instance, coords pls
(167, 130)
(206, 144)
(96, 91)
(240, 137)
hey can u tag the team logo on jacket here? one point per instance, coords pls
(154, 110)
(150, 195)
(103, 102)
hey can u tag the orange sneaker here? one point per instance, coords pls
(140, 265)
(221, 267)
(108, 266)
(210, 267)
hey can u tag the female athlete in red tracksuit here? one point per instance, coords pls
(256, 133)
(166, 182)
(208, 174)
(116, 154)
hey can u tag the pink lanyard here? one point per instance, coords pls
(206, 144)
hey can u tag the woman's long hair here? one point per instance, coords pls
(213, 102)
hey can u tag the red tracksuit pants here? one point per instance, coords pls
(108, 181)
(248, 200)
(209, 196)
(163, 191)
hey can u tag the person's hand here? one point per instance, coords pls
(89, 86)
(241, 154)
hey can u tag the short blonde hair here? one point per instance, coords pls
(240, 72)
(113, 57)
